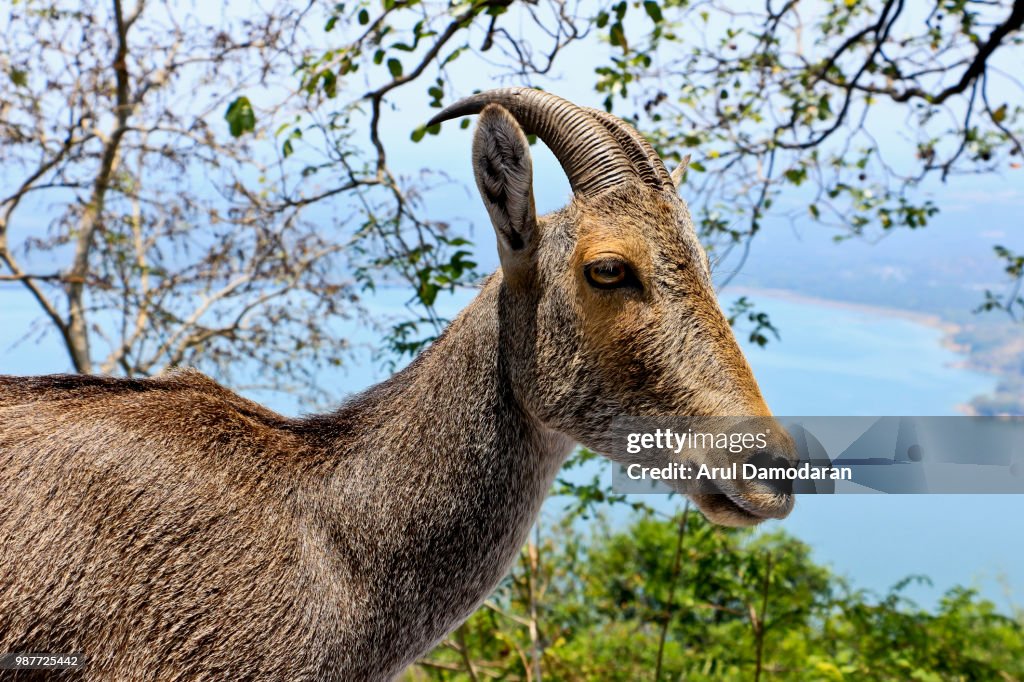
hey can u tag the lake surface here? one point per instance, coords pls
(830, 361)
(834, 360)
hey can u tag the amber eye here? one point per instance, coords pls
(609, 274)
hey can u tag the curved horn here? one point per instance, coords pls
(646, 161)
(590, 155)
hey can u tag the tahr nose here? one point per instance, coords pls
(772, 469)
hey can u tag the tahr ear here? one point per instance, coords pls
(504, 175)
(680, 171)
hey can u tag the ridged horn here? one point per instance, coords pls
(589, 154)
(648, 164)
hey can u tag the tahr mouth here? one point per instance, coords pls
(732, 507)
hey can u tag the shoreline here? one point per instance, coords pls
(926, 319)
(948, 329)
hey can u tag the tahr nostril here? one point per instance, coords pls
(770, 469)
(767, 459)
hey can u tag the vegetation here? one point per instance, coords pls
(674, 599)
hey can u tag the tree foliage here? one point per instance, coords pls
(154, 205)
(789, 108)
(839, 111)
(148, 233)
(606, 602)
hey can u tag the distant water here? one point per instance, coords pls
(838, 361)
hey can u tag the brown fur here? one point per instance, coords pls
(171, 530)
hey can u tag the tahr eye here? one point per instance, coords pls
(609, 274)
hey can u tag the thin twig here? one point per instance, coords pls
(670, 604)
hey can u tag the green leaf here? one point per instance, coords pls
(240, 117)
(395, 68)
(653, 10)
(453, 56)
(20, 78)
(796, 175)
(428, 293)
(364, 17)
(330, 84)
(618, 36)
